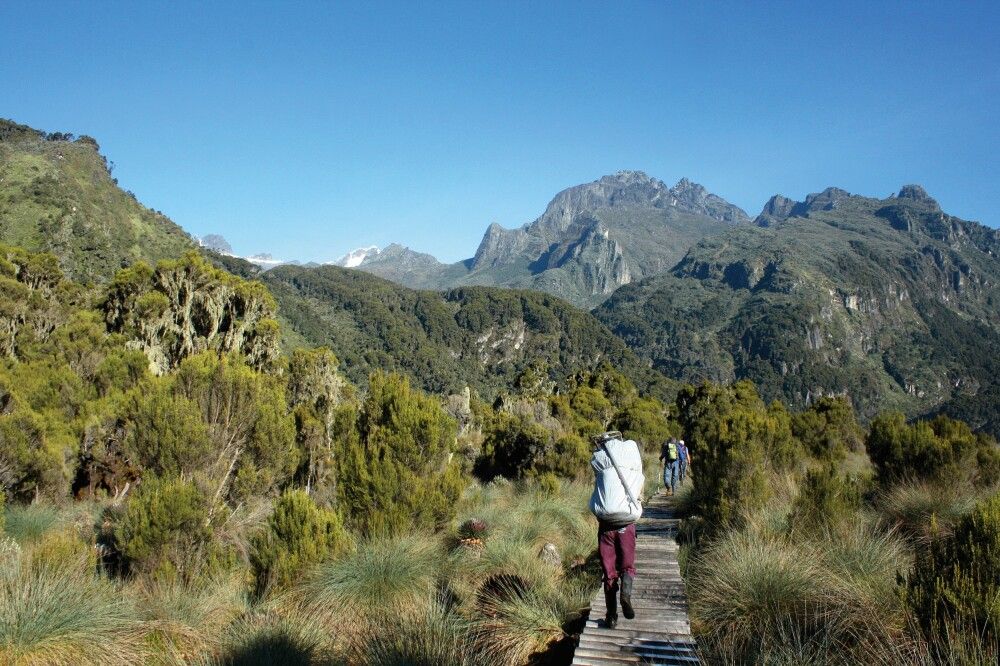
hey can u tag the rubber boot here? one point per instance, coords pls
(611, 601)
(627, 609)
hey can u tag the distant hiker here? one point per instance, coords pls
(670, 455)
(684, 458)
(618, 486)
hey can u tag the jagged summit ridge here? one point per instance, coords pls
(779, 207)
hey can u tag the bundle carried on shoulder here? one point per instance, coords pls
(619, 482)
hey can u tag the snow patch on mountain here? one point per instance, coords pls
(355, 258)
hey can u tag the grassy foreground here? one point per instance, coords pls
(502, 585)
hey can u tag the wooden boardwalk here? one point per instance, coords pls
(660, 632)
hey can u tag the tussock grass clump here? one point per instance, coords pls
(64, 615)
(26, 523)
(387, 577)
(759, 596)
(434, 637)
(188, 619)
(270, 635)
(922, 511)
(515, 624)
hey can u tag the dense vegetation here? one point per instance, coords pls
(803, 553)
(475, 336)
(177, 491)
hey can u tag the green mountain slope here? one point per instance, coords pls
(475, 336)
(57, 195)
(892, 302)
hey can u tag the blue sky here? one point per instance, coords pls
(308, 129)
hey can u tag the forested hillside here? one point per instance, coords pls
(474, 336)
(58, 195)
(890, 302)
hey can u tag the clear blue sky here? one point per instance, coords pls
(310, 129)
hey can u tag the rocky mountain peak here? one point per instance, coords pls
(918, 194)
(216, 243)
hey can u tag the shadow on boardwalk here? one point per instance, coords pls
(660, 632)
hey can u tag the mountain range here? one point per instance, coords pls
(891, 302)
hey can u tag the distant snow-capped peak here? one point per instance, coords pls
(355, 258)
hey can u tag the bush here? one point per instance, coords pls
(165, 529)
(828, 429)
(396, 468)
(298, 534)
(941, 450)
(956, 582)
(164, 432)
(826, 500)
(734, 440)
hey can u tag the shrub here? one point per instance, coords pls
(298, 534)
(735, 439)
(826, 500)
(956, 582)
(396, 468)
(164, 432)
(941, 450)
(828, 428)
(165, 528)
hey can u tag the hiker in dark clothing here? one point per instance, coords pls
(670, 456)
(684, 458)
(615, 502)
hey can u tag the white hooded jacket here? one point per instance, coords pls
(610, 503)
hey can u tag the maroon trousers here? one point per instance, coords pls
(617, 551)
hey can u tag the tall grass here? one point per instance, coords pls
(434, 637)
(758, 596)
(921, 510)
(26, 523)
(383, 579)
(188, 619)
(272, 634)
(64, 615)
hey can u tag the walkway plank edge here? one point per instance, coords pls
(660, 634)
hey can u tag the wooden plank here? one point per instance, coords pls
(661, 630)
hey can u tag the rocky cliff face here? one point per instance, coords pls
(889, 301)
(591, 239)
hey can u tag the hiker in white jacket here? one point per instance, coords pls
(616, 503)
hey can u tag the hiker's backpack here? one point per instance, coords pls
(671, 451)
